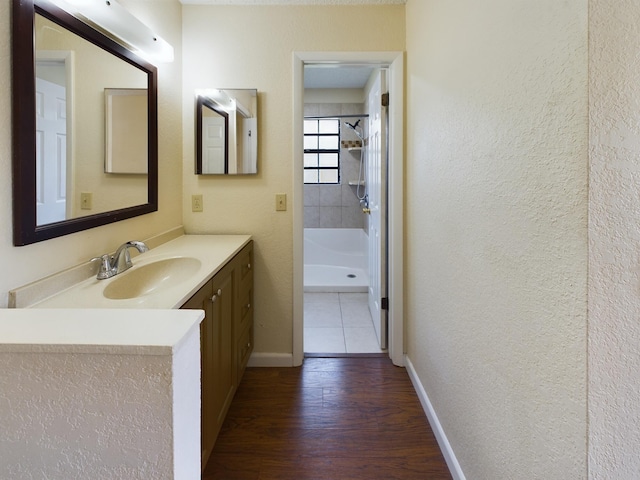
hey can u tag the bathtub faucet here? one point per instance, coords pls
(364, 203)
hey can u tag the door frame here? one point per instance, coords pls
(395, 179)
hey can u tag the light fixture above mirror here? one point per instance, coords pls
(116, 22)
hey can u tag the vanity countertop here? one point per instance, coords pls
(139, 332)
(212, 251)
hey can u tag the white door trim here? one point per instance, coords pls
(395, 61)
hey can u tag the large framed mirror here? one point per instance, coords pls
(70, 126)
(226, 132)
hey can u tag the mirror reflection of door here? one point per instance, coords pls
(51, 150)
(214, 138)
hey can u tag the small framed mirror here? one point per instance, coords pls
(226, 132)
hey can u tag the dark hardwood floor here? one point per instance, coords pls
(332, 418)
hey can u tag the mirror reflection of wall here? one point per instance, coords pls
(71, 179)
(239, 108)
(126, 130)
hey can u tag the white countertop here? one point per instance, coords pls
(141, 332)
(213, 252)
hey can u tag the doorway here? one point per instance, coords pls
(393, 63)
(344, 179)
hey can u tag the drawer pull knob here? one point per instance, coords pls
(248, 306)
(248, 266)
(214, 298)
(219, 292)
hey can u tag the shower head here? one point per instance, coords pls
(354, 127)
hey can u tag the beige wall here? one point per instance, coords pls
(21, 265)
(261, 56)
(614, 240)
(496, 230)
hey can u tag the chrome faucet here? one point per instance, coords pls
(120, 261)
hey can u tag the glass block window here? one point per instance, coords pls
(321, 150)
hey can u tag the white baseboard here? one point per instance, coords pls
(438, 431)
(270, 360)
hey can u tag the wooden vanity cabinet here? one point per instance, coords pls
(226, 340)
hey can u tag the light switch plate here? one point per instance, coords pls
(86, 200)
(196, 203)
(281, 202)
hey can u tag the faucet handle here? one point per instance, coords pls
(105, 270)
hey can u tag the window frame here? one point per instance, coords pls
(319, 151)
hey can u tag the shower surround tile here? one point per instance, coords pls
(330, 217)
(331, 196)
(311, 109)
(311, 217)
(312, 195)
(329, 109)
(351, 109)
(352, 217)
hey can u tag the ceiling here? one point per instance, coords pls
(336, 76)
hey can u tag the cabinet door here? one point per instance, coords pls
(222, 303)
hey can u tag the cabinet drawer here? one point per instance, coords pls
(245, 264)
(246, 311)
(244, 347)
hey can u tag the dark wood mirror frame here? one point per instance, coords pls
(25, 228)
(203, 102)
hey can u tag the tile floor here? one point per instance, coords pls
(338, 323)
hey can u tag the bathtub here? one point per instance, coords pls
(335, 260)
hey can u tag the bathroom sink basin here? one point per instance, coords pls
(149, 278)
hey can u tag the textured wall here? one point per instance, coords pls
(496, 220)
(86, 416)
(262, 57)
(32, 262)
(614, 206)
